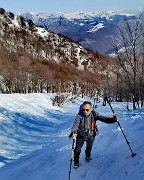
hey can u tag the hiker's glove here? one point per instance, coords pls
(115, 117)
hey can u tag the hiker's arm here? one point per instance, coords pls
(74, 128)
(105, 119)
(76, 124)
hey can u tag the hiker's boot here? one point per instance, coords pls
(76, 159)
(76, 165)
(88, 158)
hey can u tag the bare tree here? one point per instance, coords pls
(129, 50)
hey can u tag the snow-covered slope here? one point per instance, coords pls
(30, 125)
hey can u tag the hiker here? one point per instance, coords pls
(85, 129)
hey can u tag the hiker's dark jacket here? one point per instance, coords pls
(83, 126)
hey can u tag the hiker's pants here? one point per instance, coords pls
(79, 143)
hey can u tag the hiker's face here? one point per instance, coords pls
(87, 109)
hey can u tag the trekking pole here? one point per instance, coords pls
(133, 154)
(72, 155)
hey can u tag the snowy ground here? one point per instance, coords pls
(34, 143)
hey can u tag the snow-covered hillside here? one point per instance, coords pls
(20, 35)
(31, 126)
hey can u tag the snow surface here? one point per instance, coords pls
(42, 32)
(97, 27)
(15, 22)
(34, 143)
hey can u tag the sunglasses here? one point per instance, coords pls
(86, 110)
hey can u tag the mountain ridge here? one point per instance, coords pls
(94, 30)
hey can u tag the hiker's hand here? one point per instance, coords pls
(74, 136)
(115, 117)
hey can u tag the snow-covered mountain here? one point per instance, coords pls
(34, 141)
(93, 30)
(34, 59)
(23, 36)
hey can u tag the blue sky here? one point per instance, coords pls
(52, 6)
